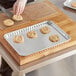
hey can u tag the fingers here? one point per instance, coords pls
(18, 8)
(21, 9)
(14, 8)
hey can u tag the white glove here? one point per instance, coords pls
(19, 6)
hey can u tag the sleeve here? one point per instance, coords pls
(29, 1)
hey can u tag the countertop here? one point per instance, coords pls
(58, 17)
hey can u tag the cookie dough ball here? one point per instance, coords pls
(18, 39)
(17, 18)
(45, 30)
(32, 34)
(8, 22)
(54, 38)
(73, 4)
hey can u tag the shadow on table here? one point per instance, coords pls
(69, 9)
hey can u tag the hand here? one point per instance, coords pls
(19, 6)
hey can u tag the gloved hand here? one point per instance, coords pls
(19, 6)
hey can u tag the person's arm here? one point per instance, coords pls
(19, 6)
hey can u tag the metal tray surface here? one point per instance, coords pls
(40, 43)
(67, 3)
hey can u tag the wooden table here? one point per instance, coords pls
(64, 52)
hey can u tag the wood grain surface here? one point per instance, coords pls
(51, 12)
(31, 12)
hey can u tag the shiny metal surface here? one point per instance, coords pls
(67, 3)
(37, 44)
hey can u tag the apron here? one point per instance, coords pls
(9, 3)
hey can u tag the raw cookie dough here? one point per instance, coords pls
(8, 22)
(54, 38)
(32, 34)
(17, 17)
(73, 4)
(18, 39)
(45, 30)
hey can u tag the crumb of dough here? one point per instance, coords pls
(32, 34)
(18, 39)
(17, 17)
(45, 30)
(8, 22)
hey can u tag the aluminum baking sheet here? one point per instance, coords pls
(67, 3)
(42, 42)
